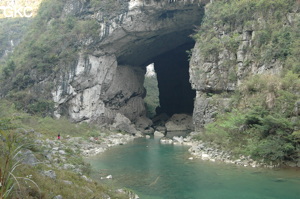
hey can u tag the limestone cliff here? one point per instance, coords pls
(109, 78)
(89, 57)
(229, 50)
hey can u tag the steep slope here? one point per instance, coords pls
(245, 68)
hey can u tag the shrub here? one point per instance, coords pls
(253, 127)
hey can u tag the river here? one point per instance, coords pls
(157, 171)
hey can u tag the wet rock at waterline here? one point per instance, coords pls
(166, 140)
(158, 134)
(130, 194)
(143, 123)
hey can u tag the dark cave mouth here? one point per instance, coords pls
(176, 95)
(167, 48)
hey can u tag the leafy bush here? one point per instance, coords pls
(256, 129)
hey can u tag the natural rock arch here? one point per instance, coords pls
(109, 79)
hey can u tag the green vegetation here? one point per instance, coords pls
(152, 97)
(11, 30)
(45, 125)
(224, 20)
(50, 46)
(263, 122)
(24, 181)
(264, 119)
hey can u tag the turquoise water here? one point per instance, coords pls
(156, 171)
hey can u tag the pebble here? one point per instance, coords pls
(109, 177)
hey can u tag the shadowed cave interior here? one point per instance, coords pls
(175, 92)
(167, 49)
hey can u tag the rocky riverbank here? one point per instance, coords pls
(56, 151)
(212, 152)
(68, 152)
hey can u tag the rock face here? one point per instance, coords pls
(109, 79)
(216, 75)
(123, 123)
(180, 122)
(27, 157)
(105, 83)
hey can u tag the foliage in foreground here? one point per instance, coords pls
(24, 181)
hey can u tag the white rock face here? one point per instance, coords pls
(97, 89)
(150, 71)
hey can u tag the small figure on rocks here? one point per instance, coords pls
(58, 136)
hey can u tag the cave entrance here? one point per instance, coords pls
(167, 83)
(175, 92)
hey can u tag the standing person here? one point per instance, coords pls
(58, 136)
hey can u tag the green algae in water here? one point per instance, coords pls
(156, 171)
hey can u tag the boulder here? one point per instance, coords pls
(62, 152)
(27, 157)
(158, 134)
(148, 131)
(161, 128)
(160, 119)
(165, 140)
(50, 174)
(178, 140)
(124, 124)
(68, 166)
(109, 177)
(180, 122)
(171, 134)
(86, 178)
(143, 123)
(67, 182)
(131, 194)
(298, 163)
(58, 197)
(291, 164)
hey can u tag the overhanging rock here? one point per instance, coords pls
(109, 78)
